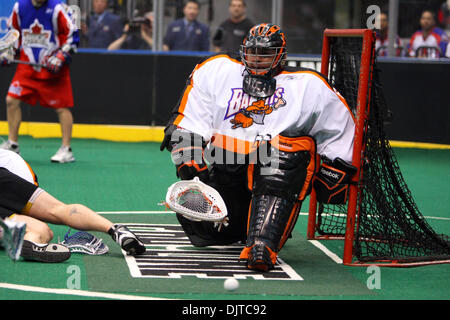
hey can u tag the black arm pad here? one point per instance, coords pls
(332, 181)
(187, 154)
(166, 143)
(190, 163)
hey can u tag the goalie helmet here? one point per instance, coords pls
(264, 50)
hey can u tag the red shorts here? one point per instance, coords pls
(53, 93)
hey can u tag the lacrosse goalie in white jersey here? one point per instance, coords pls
(251, 128)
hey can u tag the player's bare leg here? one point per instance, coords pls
(64, 154)
(66, 121)
(14, 117)
(77, 216)
(36, 242)
(48, 208)
(36, 231)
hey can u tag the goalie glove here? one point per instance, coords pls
(55, 62)
(187, 153)
(332, 181)
(190, 163)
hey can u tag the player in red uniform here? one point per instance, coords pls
(430, 41)
(48, 38)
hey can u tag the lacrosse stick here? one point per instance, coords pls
(34, 64)
(11, 236)
(6, 47)
(8, 40)
(197, 201)
(84, 242)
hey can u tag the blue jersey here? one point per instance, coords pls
(43, 30)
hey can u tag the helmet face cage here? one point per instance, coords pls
(264, 49)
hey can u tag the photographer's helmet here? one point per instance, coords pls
(264, 50)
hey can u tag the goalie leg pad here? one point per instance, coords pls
(270, 223)
(278, 189)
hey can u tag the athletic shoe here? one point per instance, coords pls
(12, 238)
(51, 252)
(11, 146)
(63, 155)
(84, 242)
(259, 258)
(127, 240)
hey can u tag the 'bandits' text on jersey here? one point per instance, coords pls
(304, 103)
(42, 30)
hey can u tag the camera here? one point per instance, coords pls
(136, 22)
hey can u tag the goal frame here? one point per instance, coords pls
(361, 124)
(362, 111)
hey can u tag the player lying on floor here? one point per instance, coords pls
(11, 237)
(23, 200)
(237, 106)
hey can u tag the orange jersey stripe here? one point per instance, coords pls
(233, 144)
(191, 84)
(183, 104)
(32, 173)
(216, 57)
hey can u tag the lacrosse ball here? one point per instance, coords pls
(231, 284)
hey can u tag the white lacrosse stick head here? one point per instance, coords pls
(8, 41)
(196, 201)
(7, 54)
(7, 45)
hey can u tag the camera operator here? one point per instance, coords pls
(137, 34)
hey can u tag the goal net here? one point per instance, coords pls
(381, 223)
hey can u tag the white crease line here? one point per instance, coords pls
(73, 292)
(437, 218)
(171, 212)
(325, 250)
(316, 243)
(134, 212)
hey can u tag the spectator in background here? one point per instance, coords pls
(231, 32)
(138, 34)
(103, 27)
(187, 33)
(382, 41)
(428, 36)
(444, 15)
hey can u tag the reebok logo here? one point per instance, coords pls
(330, 174)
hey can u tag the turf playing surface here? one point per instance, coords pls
(111, 176)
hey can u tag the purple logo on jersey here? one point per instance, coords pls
(240, 100)
(247, 110)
